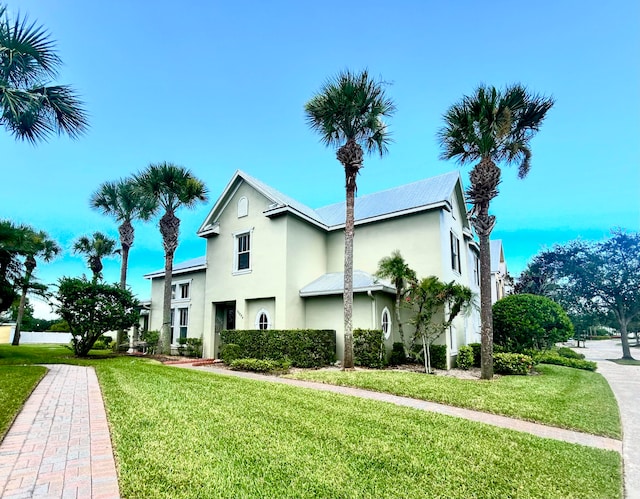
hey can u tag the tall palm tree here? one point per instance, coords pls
(169, 187)
(31, 109)
(38, 245)
(491, 127)
(347, 113)
(395, 268)
(120, 200)
(12, 241)
(95, 248)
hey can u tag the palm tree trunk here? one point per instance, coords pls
(486, 313)
(30, 264)
(398, 317)
(123, 285)
(169, 228)
(350, 155)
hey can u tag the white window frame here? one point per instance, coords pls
(236, 259)
(387, 333)
(476, 270)
(260, 313)
(176, 290)
(454, 248)
(182, 323)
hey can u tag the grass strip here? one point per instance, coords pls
(557, 396)
(16, 384)
(187, 434)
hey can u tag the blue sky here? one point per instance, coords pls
(220, 86)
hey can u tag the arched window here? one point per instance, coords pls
(263, 321)
(243, 207)
(386, 323)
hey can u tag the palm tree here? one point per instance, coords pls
(395, 268)
(30, 108)
(347, 113)
(12, 241)
(119, 200)
(96, 247)
(491, 127)
(168, 187)
(38, 245)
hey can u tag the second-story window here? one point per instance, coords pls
(243, 251)
(455, 252)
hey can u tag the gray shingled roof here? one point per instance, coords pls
(333, 284)
(180, 268)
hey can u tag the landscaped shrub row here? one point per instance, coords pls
(437, 355)
(261, 365)
(477, 353)
(512, 363)
(398, 355)
(552, 358)
(368, 348)
(569, 353)
(301, 347)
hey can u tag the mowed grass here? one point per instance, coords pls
(557, 396)
(187, 434)
(46, 354)
(16, 384)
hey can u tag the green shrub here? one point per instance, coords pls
(512, 363)
(437, 355)
(552, 358)
(368, 348)
(569, 353)
(193, 347)
(151, 338)
(477, 354)
(397, 354)
(529, 321)
(465, 357)
(230, 352)
(303, 347)
(261, 365)
(99, 345)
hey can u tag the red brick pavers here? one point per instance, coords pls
(59, 445)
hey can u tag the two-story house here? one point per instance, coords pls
(272, 262)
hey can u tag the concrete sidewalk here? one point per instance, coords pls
(625, 384)
(59, 445)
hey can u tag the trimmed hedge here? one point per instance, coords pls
(465, 357)
(261, 365)
(230, 352)
(550, 358)
(368, 348)
(397, 356)
(437, 354)
(477, 354)
(569, 353)
(301, 347)
(512, 363)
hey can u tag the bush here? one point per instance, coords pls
(230, 352)
(99, 345)
(437, 355)
(569, 353)
(512, 363)
(193, 347)
(477, 354)
(465, 357)
(151, 338)
(551, 358)
(397, 354)
(303, 347)
(261, 365)
(368, 348)
(529, 321)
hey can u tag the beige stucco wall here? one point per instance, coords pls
(6, 334)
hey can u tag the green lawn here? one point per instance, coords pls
(46, 354)
(16, 384)
(189, 434)
(558, 396)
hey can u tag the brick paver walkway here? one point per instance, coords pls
(59, 445)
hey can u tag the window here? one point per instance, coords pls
(263, 321)
(184, 321)
(173, 291)
(243, 252)
(455, 252)
(476, 270)
(243, 207)
(184, 291)
(386, 323)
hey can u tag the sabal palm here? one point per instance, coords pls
(395, 268)
(348, 114)
(167, 187)
(95, 248)
(37, 245)
(120, 200)
(491, 127)
(31, 108)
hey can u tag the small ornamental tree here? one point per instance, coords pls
(91, 309)
(529, 321)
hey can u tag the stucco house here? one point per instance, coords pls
(499, 287)
(272, 262)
